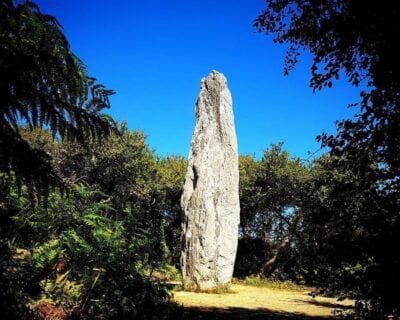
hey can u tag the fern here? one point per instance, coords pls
(47, 254)
(61, 292)
(46, 86)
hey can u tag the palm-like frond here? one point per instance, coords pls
(43, 84)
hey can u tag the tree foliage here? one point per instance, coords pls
(43, 84)
(82, 258)
(107, 246)
(93, 252)
(88, 252)
(172, 171)
(359, 39)
(345, 242)
(272, 192)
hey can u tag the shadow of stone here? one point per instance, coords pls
(243, 314)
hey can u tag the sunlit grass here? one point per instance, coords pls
(272, 297)
(266, 283)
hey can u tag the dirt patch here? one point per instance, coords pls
(291, 303)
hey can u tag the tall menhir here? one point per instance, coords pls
(210, 199)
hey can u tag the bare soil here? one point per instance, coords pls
(248, 302)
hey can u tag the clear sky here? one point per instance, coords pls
(154, 53)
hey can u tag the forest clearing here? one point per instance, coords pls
(284, 205)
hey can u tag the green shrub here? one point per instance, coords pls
(256, 281)
(171, 273)
(87, 260)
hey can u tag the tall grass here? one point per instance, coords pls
(266, 283)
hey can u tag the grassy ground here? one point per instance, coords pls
(259, 302)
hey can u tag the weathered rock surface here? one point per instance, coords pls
(210, 199)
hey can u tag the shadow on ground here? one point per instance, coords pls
(327, 304)
(190, 313)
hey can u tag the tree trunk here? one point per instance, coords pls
(270, 266)
(283, 248)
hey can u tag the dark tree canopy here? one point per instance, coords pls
(359, 38)
(42, 84)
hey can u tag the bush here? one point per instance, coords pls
(82, 262)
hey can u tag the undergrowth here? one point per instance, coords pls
(221, 289)
(266, 283)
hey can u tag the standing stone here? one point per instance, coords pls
(210, 199)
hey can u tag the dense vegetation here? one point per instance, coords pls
(92, 250)
(90, 215)
(43, 84)
(358, 220)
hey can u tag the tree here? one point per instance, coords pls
(114, 241)
(172, 171)
(345, 240)
(125, 168)
(360, 39)
(43, 84)
(272, 192)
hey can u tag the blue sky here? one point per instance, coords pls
(154, 53)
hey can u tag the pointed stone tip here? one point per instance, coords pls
(215, 73)
(214, 76)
